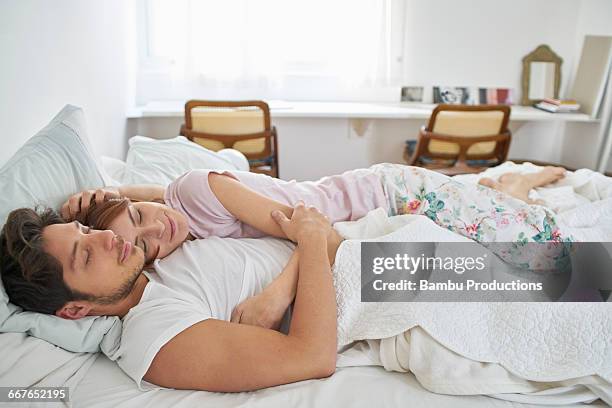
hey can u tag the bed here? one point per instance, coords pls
(105, 385)
(96, 381)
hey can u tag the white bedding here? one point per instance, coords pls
(105, 385)
(96, 381)
(27, 361)
(536, 341)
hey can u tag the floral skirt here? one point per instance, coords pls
(525, 235)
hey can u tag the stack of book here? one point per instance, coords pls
(558, 105)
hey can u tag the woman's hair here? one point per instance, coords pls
(100, 216)
(32, 278)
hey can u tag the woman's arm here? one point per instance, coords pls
(135, 192)
(143, 192)
(220, 356)
(247, 205)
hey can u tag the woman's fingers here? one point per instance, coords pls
(100, 196)
(74, 204)
(85, 200)
(65, 212)
(81, 202)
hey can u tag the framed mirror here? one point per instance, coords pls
(541, 75)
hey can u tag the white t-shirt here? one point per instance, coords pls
(202, 279)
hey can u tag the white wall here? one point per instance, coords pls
(58, 52)
(482, 42)
(594, 18)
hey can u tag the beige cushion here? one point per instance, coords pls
(251, 146)
(466, 124)
(229, 121)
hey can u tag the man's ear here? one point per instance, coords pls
(73, 310)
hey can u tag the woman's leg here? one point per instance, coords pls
(519, 185)
(477, 212)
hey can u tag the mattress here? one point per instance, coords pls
(105, 385)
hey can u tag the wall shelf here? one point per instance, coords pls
(360, 110)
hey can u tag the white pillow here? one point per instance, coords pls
(237, 158)
(115, 169)
(56, 162)
(162, 161)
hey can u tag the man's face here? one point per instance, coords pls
(98, 263)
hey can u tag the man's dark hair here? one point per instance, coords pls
(32, 278)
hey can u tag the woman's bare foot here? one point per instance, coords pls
(548, 175)
(519, 185)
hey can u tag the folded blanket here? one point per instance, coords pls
(536, 341)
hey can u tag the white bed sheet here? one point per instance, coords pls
(105, 385)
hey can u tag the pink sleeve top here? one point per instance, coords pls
(344, 197)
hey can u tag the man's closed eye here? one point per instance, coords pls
(145, 248)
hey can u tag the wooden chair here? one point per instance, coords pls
(463, 139)
(240, 125)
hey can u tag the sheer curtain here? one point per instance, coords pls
(281, 49)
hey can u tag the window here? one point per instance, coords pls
(274, 49)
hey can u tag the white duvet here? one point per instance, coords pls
(536, 341)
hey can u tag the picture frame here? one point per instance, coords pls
(412, 94)
(496, 96)
(453, 95)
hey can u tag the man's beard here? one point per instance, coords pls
(121, 293)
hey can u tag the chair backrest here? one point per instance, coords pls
(467, 121)
(241, 125)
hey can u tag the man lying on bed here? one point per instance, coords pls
(102, 275)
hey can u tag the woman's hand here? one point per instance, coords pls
(81, 201)
(265, 310)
